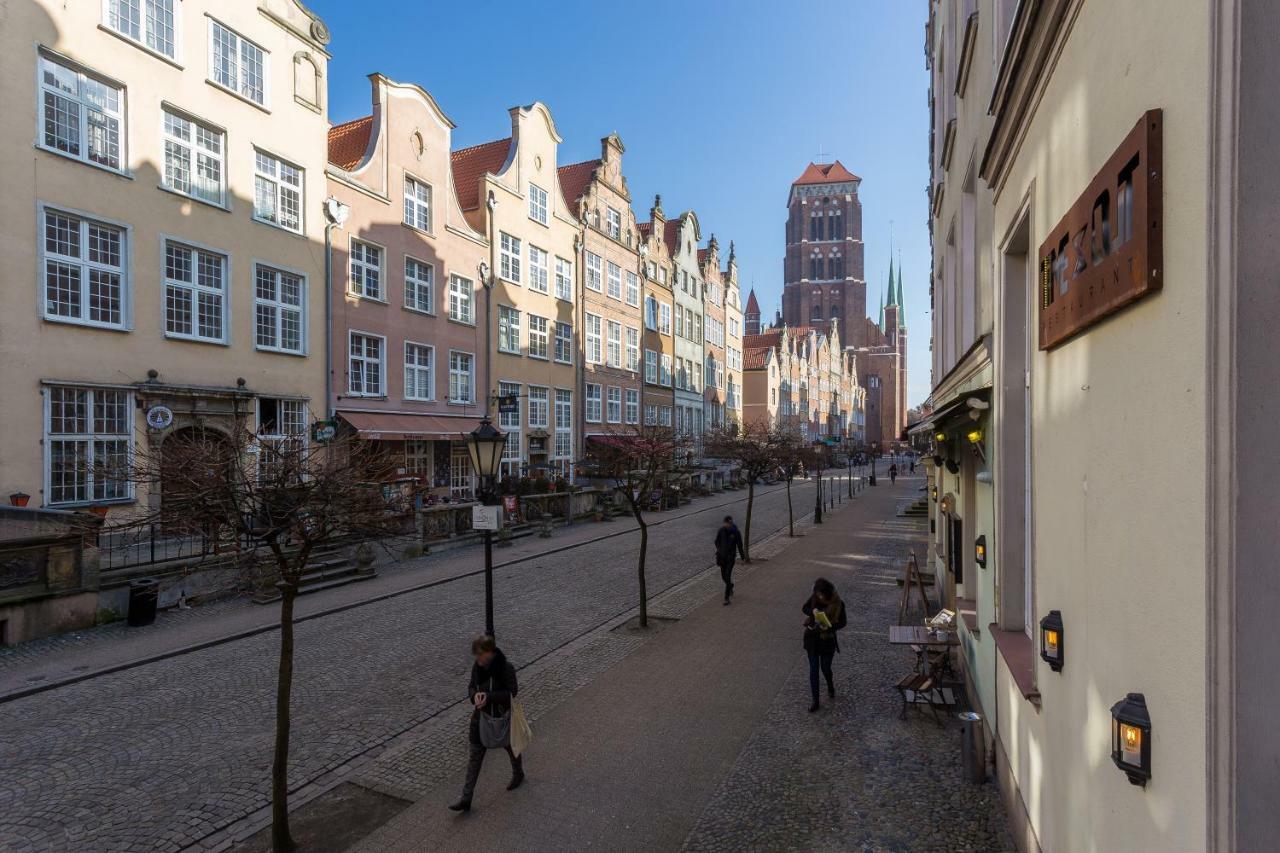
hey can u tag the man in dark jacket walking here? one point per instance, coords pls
(728, 547)
(493, 686)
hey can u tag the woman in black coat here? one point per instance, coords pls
(493, 686)
(824, 615)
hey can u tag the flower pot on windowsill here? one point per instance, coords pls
(99, 511)
(19, 499)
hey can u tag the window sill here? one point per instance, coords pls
(421, 311)
(1019, 655)
(194, 340)
(426, 232)
(225, 208)
(233, 93)
(82, 505)
(76, 321)
(355, 395)
(463, 403)
(968, 610)
(168, 60)
(468, 323)
(297, 232)
(277, 351)
(84, 161)
(362, 298)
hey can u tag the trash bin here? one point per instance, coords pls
(973, 748)
(143, 595)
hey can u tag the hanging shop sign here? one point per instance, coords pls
(509, 404)
(1106, 253)
(324, 431)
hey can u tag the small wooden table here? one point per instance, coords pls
(918, 635)
(921, 685)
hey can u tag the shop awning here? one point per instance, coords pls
(949, 411)
(392, 426)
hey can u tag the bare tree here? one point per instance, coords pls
(788, 451)
(750, 445)
(275, 501)
(637, 461)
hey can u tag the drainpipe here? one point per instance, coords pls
(487, 275)
(580, 353)
(335, 215)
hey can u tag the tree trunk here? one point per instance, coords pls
(746, 536)
(791, 518)
(644, 592)
(281, 839)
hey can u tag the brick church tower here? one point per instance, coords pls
(822, 273)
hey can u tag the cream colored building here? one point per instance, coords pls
(733, 333)
(510, 192)
(1104, 185)
(164, 245)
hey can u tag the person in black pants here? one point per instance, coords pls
(728, 546)
(493, 685)
(824, 615)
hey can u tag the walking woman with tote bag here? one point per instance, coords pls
(496, 719)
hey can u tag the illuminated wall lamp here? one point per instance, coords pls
(975, 440)
(1051, 640)
(980, 551)
(933, 492)
(1131, 738)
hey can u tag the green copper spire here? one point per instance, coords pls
(897, 299)
(881, 321)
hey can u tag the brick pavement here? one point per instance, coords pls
(175, 752)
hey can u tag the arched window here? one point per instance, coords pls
(835, 311)
(837, 265)
(815, 311)
(815, 268)
(837, 225)
(815, 226)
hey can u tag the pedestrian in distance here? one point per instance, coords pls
(893, 473)
(913, 464)
(728, 548)
(492, 688)
(824, 615)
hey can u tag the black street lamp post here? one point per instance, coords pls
(485, 444)
(875, 451)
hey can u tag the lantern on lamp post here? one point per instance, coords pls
(485, 444)
(1051, 640)
(1131, 738)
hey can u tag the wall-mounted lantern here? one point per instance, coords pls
(1131, 738)
(980, 551)
(948, 502)
(1051, 640)
(933, 492)
(975, 441)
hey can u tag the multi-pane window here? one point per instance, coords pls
(460, 482)
(539, 269)
(538, 336)
(632, 414)
(282, 428)
(650, 414)
(664, 370)
(594, 343)
(461, 299)
(237, 63)
(278, 309)
(593, 413)
(539, 408)
(508, 329)
(563, 447)
(633, 289)
(194, 158)
(84, 270)
(195, 288)
(419, 380)
(614, 345)
(417, 204)
(537, 204)
(509, 421)
(419, 285)
(664, 416)
(664, 318)
(595, 272)
(366, 270)
(88, 435)
(679, 323)
(564, 279)
(419, 460)
(82, 116)
(613, 405)
(651, 313)
(148, 22)
(651, 366)
(633, 348)
(509, 257)
(615, 281)
(564, 343)
(461, 371)
(613, 223)
(364, 375)
(277, 192)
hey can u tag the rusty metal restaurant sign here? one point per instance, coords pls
(1106, 253)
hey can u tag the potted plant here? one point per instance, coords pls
(19, 498)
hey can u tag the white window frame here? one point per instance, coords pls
(594, 339)
(380, 362)
(89, 439)
(565, 341)
(664, 318)
(239, 85)
(512, 452)
(613, 404)
(538, 204)
(509, 329)
(280, 307)
(196, 289)
(631, 406)
(539, 337)
(198, 156)
(417, 212)
(539, 407)
(509, 257)
(614, 279)
(82, 105)
(651, 366)
(593, 412)
(633, 349)
(416, 370)
(462, 293)
(539, 270)
(85, 267)
(595, 272)
(613, 344)
(633, 289)
(273, 182)
(651, 313)
(365, 268)
(146, 37)
(665, 373)
(563, 414)
(469, 373)
(415, 286)
(612, 222)
(564, 279)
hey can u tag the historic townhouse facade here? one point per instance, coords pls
(733, 330)
(682, 236)
(164, 261)
(715, 375)
(407, 329)
(658, 310)
(1067, 308)
(609, 303)
(804, 379)
(510, 192)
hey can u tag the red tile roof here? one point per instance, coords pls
(349, 141)
(471, 164)
(702, 256)
(825, 173)
(645, 229)
(573, 182)
(753, 307)
(755, 358)
(767, 338)
(671, 236)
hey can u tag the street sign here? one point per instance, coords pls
(509, 404)
(324, 431)
(486, 517)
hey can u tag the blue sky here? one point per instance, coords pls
(720, 104)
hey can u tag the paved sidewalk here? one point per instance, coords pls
(698, 736)
(82, 654)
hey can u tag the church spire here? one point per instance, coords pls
(881, 322)
(897, 297)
